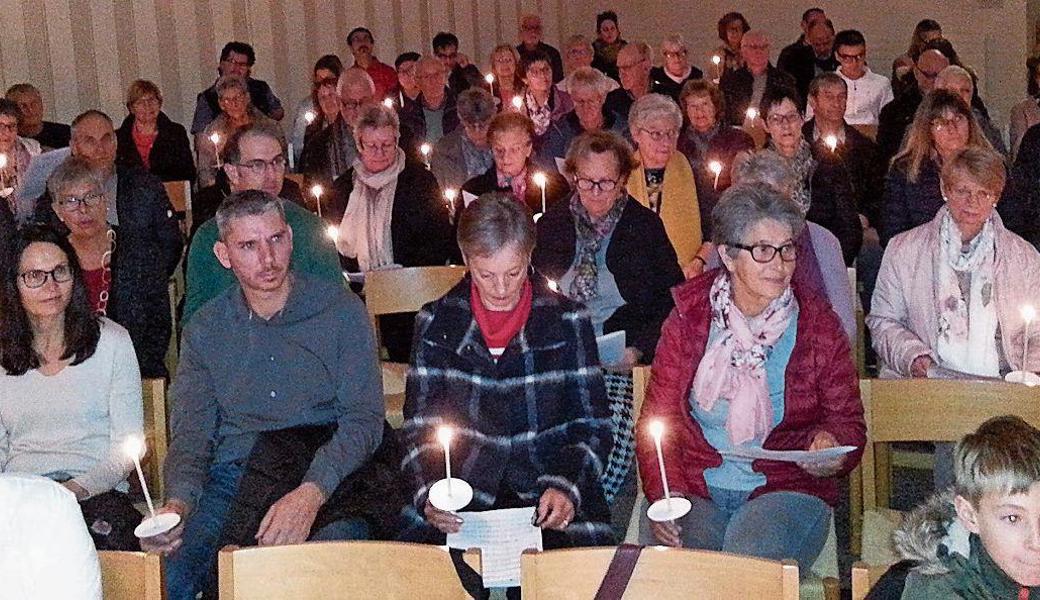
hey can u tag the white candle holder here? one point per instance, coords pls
(154, 524)
(667, 508)
(449, 494)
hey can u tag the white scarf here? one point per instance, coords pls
(967, 328)
(364, 232)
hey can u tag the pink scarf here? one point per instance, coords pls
(733, 367)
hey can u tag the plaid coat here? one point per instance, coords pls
(537, 419)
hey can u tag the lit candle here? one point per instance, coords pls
(317, 191)
(752, 114)
(518, 102)
(717, 61)
(554, 286)
(388, 102)
(215, 138)
(400, 96)
(1028, 314)
(309, 116)
(832, 142)
(425, 150)
(657, 431)
(3, 161)
(134, 446)
(444, 434)
(449, 197)
(333, 232)
(292, 157)
(490, 79)
(716, 168)
(540, 180)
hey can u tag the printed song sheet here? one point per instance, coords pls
(501, 535)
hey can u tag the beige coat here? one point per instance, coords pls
(904, 309)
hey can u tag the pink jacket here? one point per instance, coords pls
(903, 317)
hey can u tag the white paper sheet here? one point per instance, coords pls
(560, 164)
(793, 456)
(611, 348)
(34, 181)
(502, 536)
(937, 372)
(468, 198)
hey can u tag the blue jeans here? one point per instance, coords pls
(775, 526)
(193, 565)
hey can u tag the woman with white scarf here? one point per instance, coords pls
(394, 214)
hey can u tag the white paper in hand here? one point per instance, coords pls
(502, 536)
(34, 182)
(611, 348)
(792, 456)
(468, 198)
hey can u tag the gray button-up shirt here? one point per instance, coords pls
(314, 362)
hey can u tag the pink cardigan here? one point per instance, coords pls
(903, 317)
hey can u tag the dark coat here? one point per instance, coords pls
(463, 78)
(834, 204)
(414, 120)
(535, 419)
(7, 232)
(894, 119)
(171, 158)
(205, 202)
(860, 156)
(737, 87)
(727, 143)
(53, 136)
(556, 188)
(560, 133)
(661, 83)
(640, 257)
(821, 394)
(800, 62)
(419, 228)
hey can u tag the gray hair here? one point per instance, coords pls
(355, 76)
(228, 83)
(589, 78)
(375, 116)
(644, 49)
(577, 40)
(1002, 456)
(492, 222)
(246, 203)
(654, 107)
(475, 105)
(73, 171)
(743, 206)
(765, 168)
(953, 72)
(674, 38)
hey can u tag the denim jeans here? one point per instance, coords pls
(775, 526)
(193, 566)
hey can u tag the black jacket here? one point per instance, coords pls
(799, 60)
(419, 228)
(170, 159)
(661, 83)
(727, 143)
(7, 232)
(641, 259)
(737, 87)
(413, 121)
(53, 136)
(834, 204)
(893, 121)
(205, 202)
(867, 172)
(463, 78)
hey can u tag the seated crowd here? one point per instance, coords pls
(708, 218)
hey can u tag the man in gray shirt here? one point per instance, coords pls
(278, 350)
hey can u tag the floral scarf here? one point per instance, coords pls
(590, 235)
(541, 116)
(804, 165)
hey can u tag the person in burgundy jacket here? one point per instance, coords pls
(746, 361)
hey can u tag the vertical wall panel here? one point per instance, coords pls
(58, 24)
(106, 58)
(14, 46)
(146, 35)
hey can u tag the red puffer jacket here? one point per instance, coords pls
(822, 394)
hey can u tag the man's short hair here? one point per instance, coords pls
(73, 171)
(355, 75)
(607, 15)
(1002, 456)
(246, 203)
(239, 48)
(827, 78)
(810, 12)
(93, 112)
(350, 36)
(22, 88)
(444, 39)
(231, 153)
(406, 57)
(849, 37)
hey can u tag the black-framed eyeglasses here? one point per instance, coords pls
(601, 185)
(765, 253)
(86, 201)
(36, 278)
(259, 166)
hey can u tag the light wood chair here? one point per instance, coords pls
(864, 577)
(179, 193)
(131, 576)
(341, 570)
(156, 432)
(661, 574)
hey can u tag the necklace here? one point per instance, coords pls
(106, 274)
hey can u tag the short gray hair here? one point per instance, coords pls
(228, 83)
(577, 40)
(374, 116)
(589, 78)
(73, 171)
(246, 203)
(674, 38)
(492, 222)
(743, 206)
(653, 107)
(475, 105)
(765, 168)
(953, 72)
(355, 76)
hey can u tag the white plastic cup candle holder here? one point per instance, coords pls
(667, 508)
(154, 524)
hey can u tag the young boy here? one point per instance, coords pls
(982, 540)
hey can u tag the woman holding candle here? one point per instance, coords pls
(70, 386)
(510, 366)
(320, 107)
(505, 66)
(15, 150)
(747, 359)
(150, 140)
(236, 112)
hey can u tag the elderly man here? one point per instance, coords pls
(896, 116)
(362, 46)
(589, 92)
(959, 81)
(745, 87)
(578, 53)
(277, 357)
(676, 69)
(461, 74)
(253, 160)
(432, 115)
(50, 135)
(330, 152)
(531, 40)
(465, 152)
(804, 61)
(634, 62)
(236, 60)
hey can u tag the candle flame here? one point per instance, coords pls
(317, 191)
(657, 430)
(518, 102)
(752, 113)
(425, 149)
(3, 161)
(540, 179)
(1028, 313)
(450, 194)
(832, 142)
(215, 138)
(716, 60)
(489, 78)
(333, 232)
(715, 167)
(309, 116)
(444, 435)
(134, 447)
(388, 102)
(554, 286)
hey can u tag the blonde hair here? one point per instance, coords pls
(918, 144)
(141, 88)
(980, 165)
(1002, 456)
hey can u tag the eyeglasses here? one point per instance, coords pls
(327, 81)
(384, 148)
(447, 55)
(765, 253)
(791, 119)
(601, 185)
(259, 166)
(963, 194)
(36, 278)
(661, 136)
(851, 57)
(86, 201)
(678, 54)
(10, 127)
(953, 122)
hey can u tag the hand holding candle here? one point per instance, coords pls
(215, 138)
(752, 115)
(667, 508)
(155, 523)
(449, 494)
(717, 61)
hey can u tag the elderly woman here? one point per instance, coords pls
(121, 271)
(321, 104)
(150, 140)
(511, 138)
(390, 213)
(508, 82)
(709, 142)
(664, 181)
(17, 150)
(544, 103)
(465, 153)
(236, 112)
(70, 384)
(959, 81)
(607, 44)
(749, 360)
(331, 150)
(675, 69)
(482, 348)
(588, 90)
(825, 192)
(732, 27)
(578, 53)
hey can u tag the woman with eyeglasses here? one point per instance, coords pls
(664, 180)
(749, 360)
(390, 213)
(70, 385)
(321, 103)
(544, 103)
(236, 112)
(148, 138)
(121, 273)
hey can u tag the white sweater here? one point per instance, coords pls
(76, 421)
(867, 96)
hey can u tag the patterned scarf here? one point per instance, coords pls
(341, 149)
(590, 234)
(540, 115)
(803, 165)
(517, 185)
(734, 366)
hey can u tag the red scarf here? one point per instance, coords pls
(499, 327)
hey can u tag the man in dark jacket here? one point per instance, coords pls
(634, 62)
(896, 115)
(461, 74)
(745, 87)
(531, 42)
(31, 125)
(432, 115)
(236, 60)
(804, 61)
